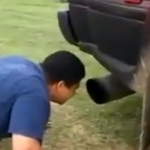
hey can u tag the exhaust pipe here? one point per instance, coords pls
(106, 89)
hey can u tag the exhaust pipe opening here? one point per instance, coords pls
(96, 91)
(106, 89)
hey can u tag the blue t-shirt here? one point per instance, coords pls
(24, 98)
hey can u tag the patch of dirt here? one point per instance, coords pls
(69, 132)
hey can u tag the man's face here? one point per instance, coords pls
(60, 93)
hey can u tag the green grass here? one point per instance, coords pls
(30, 28)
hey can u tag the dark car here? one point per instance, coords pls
(113, 32)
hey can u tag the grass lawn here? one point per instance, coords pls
(29, 28)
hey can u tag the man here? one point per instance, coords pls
(26, 88)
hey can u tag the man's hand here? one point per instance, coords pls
(20, 142)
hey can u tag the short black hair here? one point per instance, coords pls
(63, 66)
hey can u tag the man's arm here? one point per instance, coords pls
(28, 119)
(20, 142)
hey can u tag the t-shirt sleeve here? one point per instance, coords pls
(30, 112)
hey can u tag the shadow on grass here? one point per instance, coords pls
(119, 120)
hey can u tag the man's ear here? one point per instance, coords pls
(61, 84)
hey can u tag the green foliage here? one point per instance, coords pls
(63, 1)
